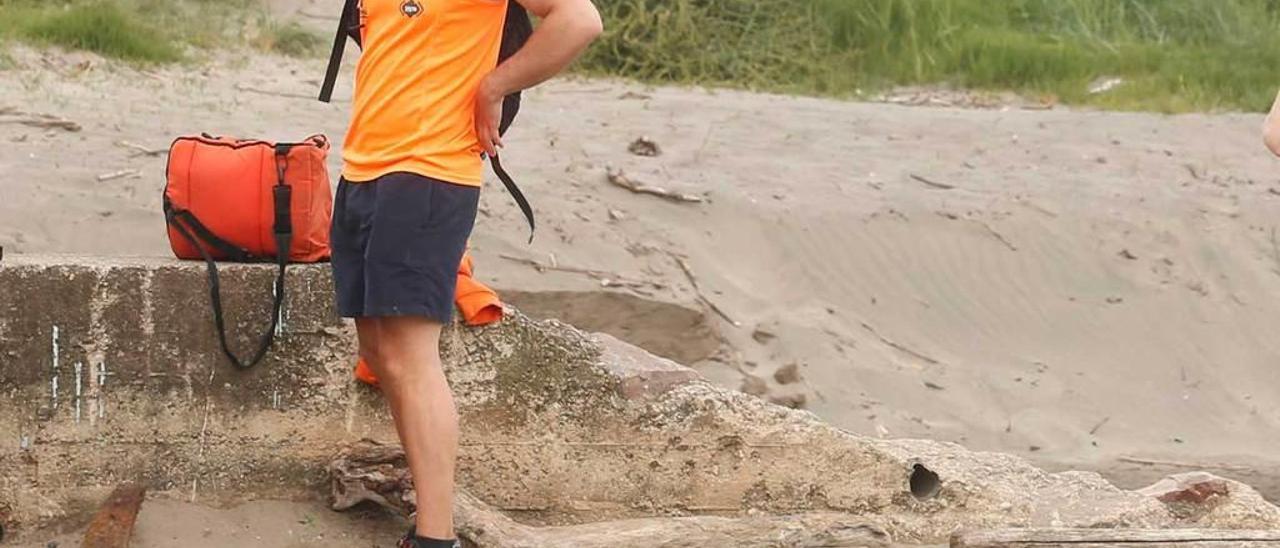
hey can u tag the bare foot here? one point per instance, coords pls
(1271, 129)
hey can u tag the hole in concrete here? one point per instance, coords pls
(924, 482)
(669, 330)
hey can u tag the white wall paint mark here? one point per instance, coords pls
(281, 316)
(79, 369)
(53, 380)
(102, 383)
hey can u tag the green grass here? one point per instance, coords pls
(1173, 55)
(102, 27)
(291, 40)
(151, 31)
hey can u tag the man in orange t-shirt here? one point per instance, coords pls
(428, 100)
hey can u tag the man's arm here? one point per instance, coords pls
(1271, 129)
(567, 27)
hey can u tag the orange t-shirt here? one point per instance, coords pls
(415, 88)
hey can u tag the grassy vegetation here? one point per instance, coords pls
(291, 40)
(151, 31)
(1173, 55)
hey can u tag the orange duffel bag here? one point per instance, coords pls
(245, 201)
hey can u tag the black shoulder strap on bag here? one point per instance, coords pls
(348, 27)
(196, 232)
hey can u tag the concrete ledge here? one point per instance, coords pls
(559, 427)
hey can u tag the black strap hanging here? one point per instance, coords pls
(348, 26)
(198, 235)
(521, 201)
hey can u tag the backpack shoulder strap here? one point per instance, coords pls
(348, 26)
(515, 32)
(516, 194)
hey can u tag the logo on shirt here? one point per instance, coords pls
(410, 8)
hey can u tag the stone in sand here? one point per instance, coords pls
(787, 374)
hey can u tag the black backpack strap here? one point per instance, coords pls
(350, 14)
(516, 30)
(189, 227)
(515, 193)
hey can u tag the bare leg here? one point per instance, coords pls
(407, 362)
(1271, 131)
(371, 351)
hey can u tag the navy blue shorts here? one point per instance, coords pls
(397, 243)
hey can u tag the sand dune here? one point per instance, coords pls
(1083, 288)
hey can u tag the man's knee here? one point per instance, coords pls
(407, 347)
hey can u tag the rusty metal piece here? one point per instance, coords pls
(112, 526)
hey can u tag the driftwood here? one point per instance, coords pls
(372, 472)
(998, 236)
(697, 289)
(606, 279)
(117, 175)
(140, 150)
(112, 526)
(620, 179)
(1097, 538)
(924, 357)
(376, 473)
(288, 94)
(43, 121)
(934, 184)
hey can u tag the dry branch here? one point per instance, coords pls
(899, 347)
(291, 95)
(620, 179)
(140, 150)
(697, 289)
(606, 279)
(931, 183)
(998, 235)
(1099, 426)
(118, 175)
(43, 121)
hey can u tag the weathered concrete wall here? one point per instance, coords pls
(110, 371)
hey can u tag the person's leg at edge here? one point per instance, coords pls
(1271, 128)
(404, 352)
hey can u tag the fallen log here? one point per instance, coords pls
(1098, 538)
(112, 526)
